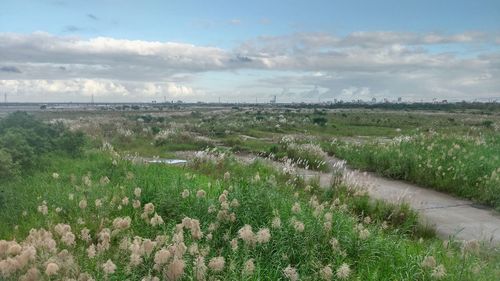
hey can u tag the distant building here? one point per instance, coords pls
(273, 101)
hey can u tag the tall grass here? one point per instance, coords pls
(468, 166)
(320, 235)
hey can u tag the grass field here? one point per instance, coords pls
(218, 220)
(98, 216)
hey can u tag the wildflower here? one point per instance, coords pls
(162, 256)
(51, 269)
(216, 264)
(109, 267)
(193, 249)
(328, 217)
(263, 235)
(256, 178)
(87, 181)
(429, 262)
(234, 244)
(298, 226)
(91, 252)
(68, 238)
(43, 208)
(248, 267)
(343, 271)
(121, 223)
(364, 234)
(227, 175)
(104, 180)
(125, 201)
(14, 249)
(149, 208)
(55, 176)
(135, 259)
(367, 220)
(176, 269)
(291, 273)
(82, 204)
(32, 274)
(235, 203)
(195, 229)
(71, 196)
(439, 272)
(224, 205)
(104, 240)
(335, 244)
(156, 220)
(201, 193)
(385, 225)
(136, 204)
(137, 192)
(296, 208)
(98, 203)
(471, 246)
(147, 246)
(327, 225)
(200, 268)
(211, 209)
(326, 273)
(276, 223)
(246, 234)
(185, 193)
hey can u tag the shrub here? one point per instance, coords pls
(24, 139)
(320, 121)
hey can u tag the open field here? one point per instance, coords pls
(449, 150)
(83, 209)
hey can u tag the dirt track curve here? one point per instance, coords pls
(451, 217)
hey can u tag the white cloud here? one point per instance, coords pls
(358, 64)
(83, 89)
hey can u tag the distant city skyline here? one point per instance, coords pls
(140, 51)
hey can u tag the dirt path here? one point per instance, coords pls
(450, 216)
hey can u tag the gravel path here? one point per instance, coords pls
(451, 217)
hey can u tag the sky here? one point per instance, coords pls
(247, 51)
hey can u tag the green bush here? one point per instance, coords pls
(24, 139)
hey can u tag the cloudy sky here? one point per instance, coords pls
(62, 50)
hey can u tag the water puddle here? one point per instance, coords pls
(165, 161)
(154, 160)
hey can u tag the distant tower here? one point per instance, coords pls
(273, 101)
(92, 99)
(5, 97)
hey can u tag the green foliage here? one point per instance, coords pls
(321, 121)
(388, 252)
(24, 140)
(466, 166)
